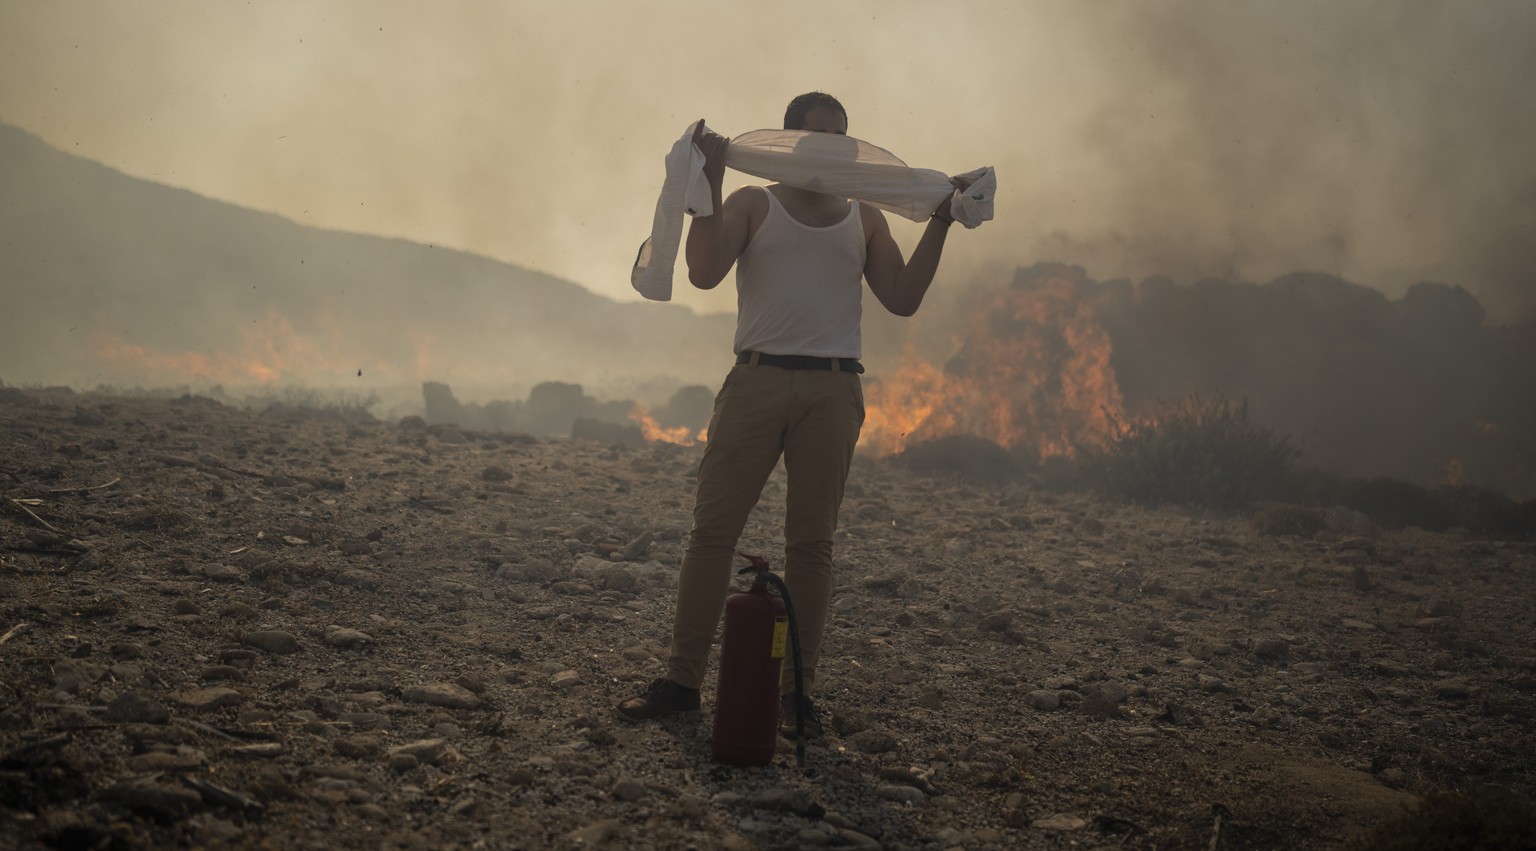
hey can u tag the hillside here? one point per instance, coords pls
(109, 278)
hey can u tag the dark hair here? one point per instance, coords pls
(794, 117)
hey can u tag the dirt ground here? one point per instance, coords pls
(284, 629)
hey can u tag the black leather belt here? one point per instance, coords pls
(801, 362)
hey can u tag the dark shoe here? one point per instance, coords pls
(663, 698)
(788, 705)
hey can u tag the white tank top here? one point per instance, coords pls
(798, 288)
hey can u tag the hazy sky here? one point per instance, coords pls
(1386, 141)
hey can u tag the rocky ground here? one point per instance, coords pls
(286, 629)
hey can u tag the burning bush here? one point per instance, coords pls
(1203, 452)
(1032, 375)
(972, 458)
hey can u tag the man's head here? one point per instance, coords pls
(818, 112)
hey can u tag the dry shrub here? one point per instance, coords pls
(1202, 452)
(317, 404)
(972, 458)
(1459, 821)
(1394, 504)
(15, 396)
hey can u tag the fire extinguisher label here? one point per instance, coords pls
(780, 637)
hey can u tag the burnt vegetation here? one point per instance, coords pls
(1209, 453)
(1295, 397)
(1419, 389)
(1203, 452)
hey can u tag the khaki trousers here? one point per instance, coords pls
(810, 416)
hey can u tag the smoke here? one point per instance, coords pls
(1381, 142)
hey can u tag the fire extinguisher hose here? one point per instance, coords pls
(759, 566)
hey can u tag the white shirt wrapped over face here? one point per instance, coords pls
(829, 163)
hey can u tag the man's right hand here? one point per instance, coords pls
(713, 145)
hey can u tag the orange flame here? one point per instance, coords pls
(1033, 375)
(916, 402)
(651, 430)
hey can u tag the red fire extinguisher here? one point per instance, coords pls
(758, 626)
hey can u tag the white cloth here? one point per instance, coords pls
(821, 162)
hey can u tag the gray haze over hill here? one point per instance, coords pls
(111, 279)
(1385, 142)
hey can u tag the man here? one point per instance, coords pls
(795, 391)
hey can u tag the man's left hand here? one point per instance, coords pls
(942, 212)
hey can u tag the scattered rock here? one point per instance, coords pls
(1395, 778)
(345, 637)
(221, 672)
(618, 579)
(1100, 704)
(426, 751)
(360, 746)
(158, 800)
(133, 708)
(72, 675)
(1214, 685)
(208, 698)
(449, 695)
(272, 641)
(1453, 689)
(1389, 668)
(170, 762)
(996, 622)
(1060, 821)
(637, 548)
(1042, 700)
(959, 547)
(597, 833)
(239, 612)
(1178, 713)
(222, 573)
(855, 839)
(534, 570)
(1112, 692)
(521, 777)
(902, 794)
(873, 741)
(629, 790)
(1271, 648)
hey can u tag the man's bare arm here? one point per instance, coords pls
(899, 284)
(714, 242)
